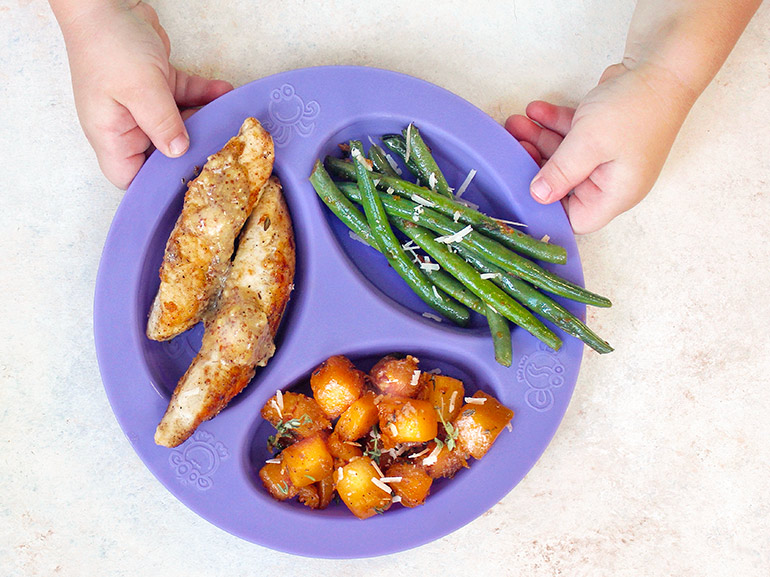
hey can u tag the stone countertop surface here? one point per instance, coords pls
(661, 465)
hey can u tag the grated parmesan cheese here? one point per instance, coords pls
(475, 400)
(391, 479)
(417, 455)
(273, 461)
(427, 265)
(545, 238)
(468, 203)
(456, 216)
(381, 485)
(433, 457)
(393, 429)
(432, 317)
(423, 201)
(376, 468)
(509, 426)
(452, 400)
(510, 222)
(354, 236)
(489, 275)
(393, 165)
(279, 398)
(408, 142)
(456, 237)
(396, 499)
(466, 182)
(415, 378)
(340, 474)
(277, 408)
(432, 181)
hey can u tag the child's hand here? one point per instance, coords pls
(602, 158)
(126, 91)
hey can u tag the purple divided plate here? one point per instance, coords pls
(346, 301)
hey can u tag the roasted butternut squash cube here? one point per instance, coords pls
(357, 489)
(358, 419)
(444, 393)
(295, 416)
(404, 420)
(444, 462)
(318, 495)
(276, 480)
(342, 451)
(336, 384)
(414, 484)
(325, 491)
(308, 460)
(396, 376)
(479, 425)
(308, 496)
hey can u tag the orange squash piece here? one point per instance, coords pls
(336, 384)
(308, 460)
(479, 424)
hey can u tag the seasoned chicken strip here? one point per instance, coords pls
(239, 333)
(198, 252)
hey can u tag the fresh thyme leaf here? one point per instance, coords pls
(375, 452)
(283, 487)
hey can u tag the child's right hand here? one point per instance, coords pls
(126, 92)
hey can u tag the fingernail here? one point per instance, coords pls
(540, 189)
(179, 145)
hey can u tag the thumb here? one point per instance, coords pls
(570, 164)
(156, 113)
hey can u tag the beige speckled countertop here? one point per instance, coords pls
(662, 463)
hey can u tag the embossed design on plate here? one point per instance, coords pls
(288, 114)
(198, 459)
(542, 372)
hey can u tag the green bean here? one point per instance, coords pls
(512, 238)
(501, 337)
(489, 292)
(340, 169)
(430, 173)
(380, 161)
(391, 248)
(339, 204)
(539, 303)
(501, 232)
(486, 248)
(457, 290)
(397, 144)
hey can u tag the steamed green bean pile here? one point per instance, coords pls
(471, 262)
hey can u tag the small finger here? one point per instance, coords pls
(571, 163)
(555, 118)
(532, 151)
(152, 105)
(544, 140)
(191, 90)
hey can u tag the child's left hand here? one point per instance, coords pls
(603, 157)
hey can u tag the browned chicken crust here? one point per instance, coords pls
(198, 252)
(239, 332)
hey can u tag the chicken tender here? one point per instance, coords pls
(239, 332)
(216, 205)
